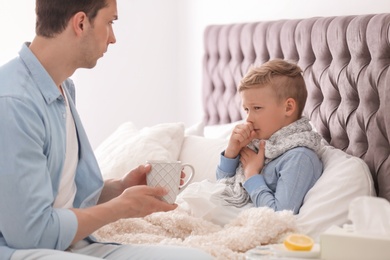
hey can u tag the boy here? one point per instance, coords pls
(271, 159)
(52, 192)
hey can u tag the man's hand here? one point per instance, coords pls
(141, 200)
(136, 201)
(136, 176)
(128, 197)
(114, 187)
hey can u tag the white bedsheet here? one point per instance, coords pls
(203, 200)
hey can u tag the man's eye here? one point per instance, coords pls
(257, 108)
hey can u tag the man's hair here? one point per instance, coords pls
(54, 15)
(284, 77)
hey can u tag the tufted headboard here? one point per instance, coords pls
(345, 60)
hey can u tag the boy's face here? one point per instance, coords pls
(264, 111)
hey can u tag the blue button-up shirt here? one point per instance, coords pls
(32, 154)
(284, 181)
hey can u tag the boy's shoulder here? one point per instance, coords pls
(301, 152)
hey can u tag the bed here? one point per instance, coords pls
(345, 62)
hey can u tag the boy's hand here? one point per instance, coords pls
(241, 136)
(251, 161)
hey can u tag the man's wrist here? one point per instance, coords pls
(111, 189)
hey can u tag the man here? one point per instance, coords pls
(52, 193)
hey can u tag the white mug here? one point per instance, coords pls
(168, 174)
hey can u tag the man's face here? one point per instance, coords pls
(99, 34)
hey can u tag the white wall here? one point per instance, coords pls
(153, 73)
(136, 80)
(17, 25)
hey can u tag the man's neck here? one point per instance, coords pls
(54, 57)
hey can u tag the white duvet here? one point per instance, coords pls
(202, 221)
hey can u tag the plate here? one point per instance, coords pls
(281, 250)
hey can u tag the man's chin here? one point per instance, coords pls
(89, 66)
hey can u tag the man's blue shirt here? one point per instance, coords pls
(32, 154)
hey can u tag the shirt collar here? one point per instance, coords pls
(41, 77)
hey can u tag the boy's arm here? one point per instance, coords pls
(297, 172)
(227, 167)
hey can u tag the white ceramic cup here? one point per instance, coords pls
(167, 175)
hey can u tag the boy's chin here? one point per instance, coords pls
(261, 137)
(258, 138)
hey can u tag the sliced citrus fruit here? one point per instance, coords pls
(298, 242)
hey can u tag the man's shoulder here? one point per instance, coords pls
(12, 66)
(13, 77)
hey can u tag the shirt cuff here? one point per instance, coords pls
(254, 182)
(228, 164)
(68, 227)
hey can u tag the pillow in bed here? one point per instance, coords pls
(220, 131)
(195, 129)
(129, 147)
(345, 177)
(204, 154)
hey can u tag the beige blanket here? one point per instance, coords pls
(251, 228)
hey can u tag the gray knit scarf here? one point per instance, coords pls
(296, 134)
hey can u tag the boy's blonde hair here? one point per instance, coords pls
(284, 77)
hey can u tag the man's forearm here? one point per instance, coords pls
(93, 218)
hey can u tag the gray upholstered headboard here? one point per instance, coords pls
(345, 60)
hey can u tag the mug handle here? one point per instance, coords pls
(190, 177)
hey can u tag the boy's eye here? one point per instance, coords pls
(257, 108)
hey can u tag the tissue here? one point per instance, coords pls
(370, 216)
(368, 237)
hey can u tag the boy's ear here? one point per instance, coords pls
(291, 106)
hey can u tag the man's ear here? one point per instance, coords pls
(78, 22)
(291, 106)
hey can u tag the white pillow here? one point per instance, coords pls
(128, 147)
(220, 131)
(196, 129)
(204, 154)
(344, 178)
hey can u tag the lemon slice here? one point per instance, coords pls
(298, 242)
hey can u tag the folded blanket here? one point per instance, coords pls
(251, 228)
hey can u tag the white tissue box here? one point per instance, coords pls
(340, 244)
